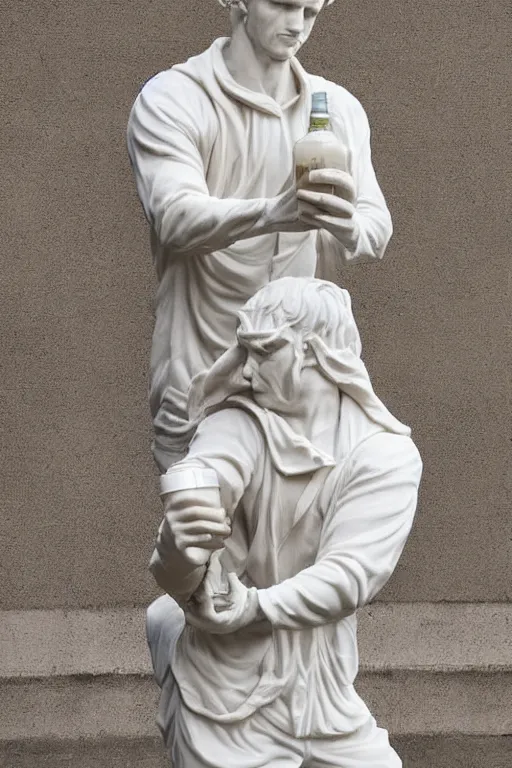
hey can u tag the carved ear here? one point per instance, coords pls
(239, 13)
(230, 4)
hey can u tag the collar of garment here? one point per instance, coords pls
(211, 63)
(291, 453)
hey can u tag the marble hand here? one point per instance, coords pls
(333, 212)
(240, 608)
(282, 213)
(195, 526)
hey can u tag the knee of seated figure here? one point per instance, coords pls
(162, 612)
(164, 623)
(389, 759)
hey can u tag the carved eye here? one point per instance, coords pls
(274, 346)
(255, 354)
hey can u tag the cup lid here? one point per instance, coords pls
(184, 478)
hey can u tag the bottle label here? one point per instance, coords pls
(319, 123)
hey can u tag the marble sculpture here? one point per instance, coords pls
(288, 488)
(210, 142)
(255, 647)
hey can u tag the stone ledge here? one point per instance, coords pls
(83, 753)
(453, 751)
(124, 706)
(392, 636)
(82, 707)
(436, 637)
(415, 751)
(81, 642)
(425, 670)
(433, 703)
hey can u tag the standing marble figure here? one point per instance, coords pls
(211, 144)
(318, 483)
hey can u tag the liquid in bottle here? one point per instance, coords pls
(319, 148)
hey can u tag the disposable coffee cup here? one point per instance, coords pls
(179, 481)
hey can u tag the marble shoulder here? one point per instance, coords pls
(388, 452)
(237, 424)
(174, 94)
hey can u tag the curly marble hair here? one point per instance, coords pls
(307, 306)
(316, 317)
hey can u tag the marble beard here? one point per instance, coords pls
(318, 488)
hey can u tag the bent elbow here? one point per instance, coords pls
(171, 230)
(378, 242)
(388, 234)
(157, 570)
(182, 233)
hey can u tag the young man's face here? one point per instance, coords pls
(273, 370)
(278, 28)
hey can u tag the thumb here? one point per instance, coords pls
(233, 580)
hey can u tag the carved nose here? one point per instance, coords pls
(296, 24)
(247, 371)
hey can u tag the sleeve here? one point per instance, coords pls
(362, 538)
(166, 129)
(230, 443)
(372, 214)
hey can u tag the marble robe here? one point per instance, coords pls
(318, 537)
(206, 154)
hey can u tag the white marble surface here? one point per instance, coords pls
(211, 144)
(319, 483)
(256, 374)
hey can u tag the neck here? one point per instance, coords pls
(254, 70)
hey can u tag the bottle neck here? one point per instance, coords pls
(319, 121)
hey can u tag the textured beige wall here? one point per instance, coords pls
(78, 487)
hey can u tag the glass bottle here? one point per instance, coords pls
(319, 148)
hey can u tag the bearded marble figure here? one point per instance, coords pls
(211, 144)
(318, 488)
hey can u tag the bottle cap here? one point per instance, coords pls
(319, 102)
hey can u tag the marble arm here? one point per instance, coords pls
(171, 569)
(361, 541)
(169, 171)
(233, 460)
(181, 588)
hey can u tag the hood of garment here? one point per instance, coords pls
(209, 70)
(339, 360)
